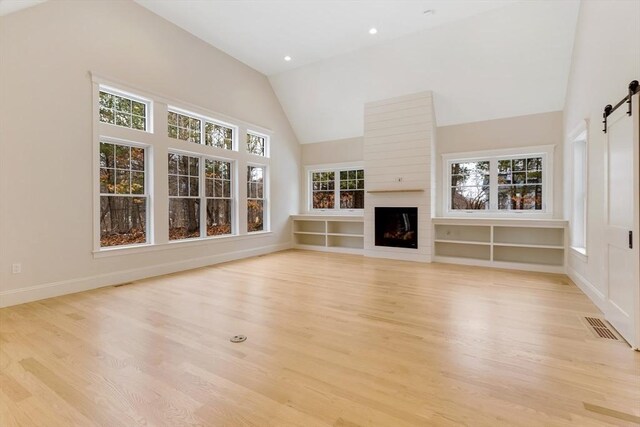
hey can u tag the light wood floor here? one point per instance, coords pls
(333, 340)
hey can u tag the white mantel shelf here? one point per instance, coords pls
(398, 190)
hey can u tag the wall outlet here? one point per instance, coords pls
(399, 179)
(16, 268)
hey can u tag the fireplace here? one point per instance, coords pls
(396, 227)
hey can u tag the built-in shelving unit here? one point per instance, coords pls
(524, 244)
(330, 233)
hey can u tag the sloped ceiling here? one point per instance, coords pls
(506, 62)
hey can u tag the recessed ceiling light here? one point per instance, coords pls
(373, 31)
(287, 58)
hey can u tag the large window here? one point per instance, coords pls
(123, 194)
(340, 188)
(256, 198)
(579, 189)
(184, 196)
(505, 183)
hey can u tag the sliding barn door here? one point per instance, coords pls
(622, 204)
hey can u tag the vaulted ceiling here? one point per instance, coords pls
(483, 59)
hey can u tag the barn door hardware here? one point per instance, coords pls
(634, 87)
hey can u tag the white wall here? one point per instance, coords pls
(46, 144)
(522, 131)
(606, 57)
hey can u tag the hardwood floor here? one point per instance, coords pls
(333, 340)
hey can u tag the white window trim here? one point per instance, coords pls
(266, 198)
(204, 118)
(148, 182)
(125, 94)
(203, 198)
(158, 144)
(544, 151)
(332, 167)
(580, 134)
(267, 144)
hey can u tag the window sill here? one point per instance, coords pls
(135, 249)
(580, 253)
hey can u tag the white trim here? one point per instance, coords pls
(545, 151)
(171, 108)
(331, 167)
(168, 100)
(578, 135)
(49, 290)
(594, 294)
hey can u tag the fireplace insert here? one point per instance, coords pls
(396, 227)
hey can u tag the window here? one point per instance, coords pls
(123, 195)
(579, 190)
(507, 182)
(343, 185)
(184, 127)
(255, 198)
(218, 197)
(256, 144)
(217, 135)
(123, 111)
(184, 196)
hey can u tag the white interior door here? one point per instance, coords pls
(621, 234)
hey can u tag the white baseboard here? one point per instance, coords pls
(594, 294)
(54, 289)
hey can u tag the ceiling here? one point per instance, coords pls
(261, 33)
(506, 62)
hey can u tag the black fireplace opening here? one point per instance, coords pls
(396, 227)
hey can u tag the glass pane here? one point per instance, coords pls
(107, 180)
(123, 119)
(173, 186)
(172, 118)
(255, 144)
(519, 177)
(107, 155)
(504, 166)
(193, 187)
(217, 189)
(107, 115)
(470, 173)
(106, 100)
(352, 200)
(519, 164)
(123, 104)
(138, 108)
(183, 134)
(470, 198)
(138, 123)
(255, 215)
(173, 132)
(183, 165)
(208, 188)
(137, 182)
(344, 175)
(323, 200)
(360, 184)
(534, 177)
(137, 158)
(183, 186)
(123, 183)
(520, 197)
(194, 166)
(183, 121)
(184, 218)
(122, 157)
(534, 164)
(123, 220)
(218, 217)
(504, 178)
(227, 189)
(360, 174)
(173, 163)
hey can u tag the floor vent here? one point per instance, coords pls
(601, 328)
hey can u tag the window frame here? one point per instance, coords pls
(267, 143)
(266, 199)
(543, 151)
(148, 192)
(202, 195)
(172, 108)
(336, 168)
(580, 135)
(134, 97)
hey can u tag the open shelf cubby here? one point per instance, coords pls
(537, 245)
(329, 233)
